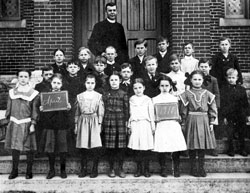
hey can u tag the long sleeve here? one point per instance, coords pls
(245, 104)
(216, 92)
(35, 109)
(100, 111)
(183, 107)
(151, 114)
(8, 110)
(212, 109)
(237, 67)
(77, 111)
(94, 43)
(126, 107)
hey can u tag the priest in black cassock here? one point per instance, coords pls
(109, 33)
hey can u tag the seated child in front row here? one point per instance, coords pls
(115, 123)
(126, 84)
(54, 135)
(234, 110)
(198, 112)
(88, 119)
(141, 127)
(22, 113)
(168, 133)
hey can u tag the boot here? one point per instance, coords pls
(231, 151)
(83, 171)
(193, 168)
(201, 160)
(139, 170)
(176, 160)
(15, 161)
(162, 161)
(121, 172)
(146, 169)
(111, 170)
(29, 174)
(94, 172)
(51, 173)
(63, 165)
(163, 171)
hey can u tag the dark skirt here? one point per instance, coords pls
(53, 141)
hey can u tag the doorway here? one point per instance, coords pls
(140, 18)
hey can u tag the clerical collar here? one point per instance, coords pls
(111, 21)
(162, 53)
(111, 63)
(188, 57)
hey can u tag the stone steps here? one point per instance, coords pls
(220, 164)
(213, 183)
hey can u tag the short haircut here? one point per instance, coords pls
(110, 4)
(187, 43)
(110, 47)
(126, 65)
(173, 57)
(232, 71)
(224, 38)
(47, 68)
(139, 80)
(73, 62)
(204, 60)
(84, 48)
(24, 70)
(57, 75)
(100, 59)
(141, 41)
(58, 49)
(161, 39)
(150, 57)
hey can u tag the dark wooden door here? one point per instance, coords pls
(140, 19)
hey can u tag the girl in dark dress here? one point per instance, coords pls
(54, 136)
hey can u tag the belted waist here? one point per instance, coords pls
(114, 110)
(20, 121)
(197, 113)
(85, 113)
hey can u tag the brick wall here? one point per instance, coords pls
(17, 44)
(190, 21)
(53, 28)
(240, 36)
(198, 21)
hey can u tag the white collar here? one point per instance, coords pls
(111, 21)
(188, 57)
(126, 81)
(162, 53)
(111, 63)
(141, 58)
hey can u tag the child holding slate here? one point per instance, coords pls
(22, 111)
(198, 112)
(54, 136)
(168, 133)
(88, 119)
(141, 126)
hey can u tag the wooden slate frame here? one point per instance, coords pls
(166, 111)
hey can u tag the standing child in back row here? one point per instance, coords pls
(198, 112)
(188, 63)
(224, 60)
(22, 111)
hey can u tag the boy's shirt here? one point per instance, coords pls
(151, 84)
(127, 86)
(83, 72)
(163, 62)
(43, 86)
(234, 103)
(179, 78)
(111, 68)
(220, 66)
(138, 66)
(189, 64)
(60, 69)
(101, 82)
(210, 83)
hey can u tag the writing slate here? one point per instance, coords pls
(166, 111)
(54, 101)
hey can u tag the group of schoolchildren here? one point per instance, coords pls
(120, 106)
